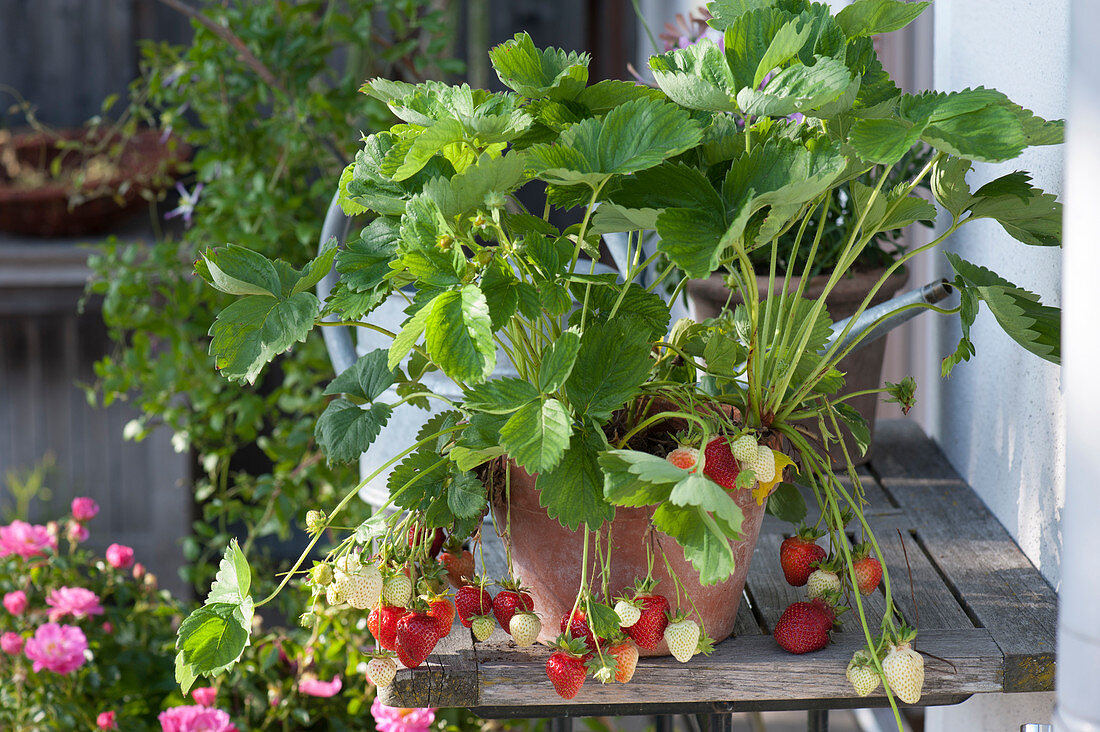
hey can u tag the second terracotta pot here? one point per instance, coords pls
(547, 558)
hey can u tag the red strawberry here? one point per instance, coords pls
(373, 620)
(796, 555)
(566, 672)
(507, 602)
(438, 537)
(472, 600)
(578, 628)
(683, 457)
(650, 628)
(459, 565)
(626, 660)
(416, 637)
(388, 615)
(721, 465)
(803, 627)
(444, 613)
(868, 574)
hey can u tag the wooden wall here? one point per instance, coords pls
(47, 350)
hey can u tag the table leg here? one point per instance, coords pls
(664, 723)
(817, 720)
(561, 724)
(720, 722)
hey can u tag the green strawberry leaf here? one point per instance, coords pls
(632, 137)
(365, 262)
(698, 77)
(317, 268)
(459, 335)
(233, 581)
(786, 503)
(210, 641)
(537, 435)
(697, 490)
(603, 620)
(408, 335)
(536, 74)
(250, 332)
(345, 430)
(611, 364)
(798, 88)
(572, 492)
(1036, 327)
(239, 271)
(857, 425)
(367, 378)
(704, 542)
(871, 17)
(634, 478)
(500, 396)
(1025, 212)
(558, 360)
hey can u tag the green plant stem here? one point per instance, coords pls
(346, 500)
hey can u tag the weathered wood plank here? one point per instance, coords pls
(449, 678)
(936, 606)
(878, 503)
(996, 583)
(740, 671)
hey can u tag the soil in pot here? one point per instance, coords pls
(862, 368)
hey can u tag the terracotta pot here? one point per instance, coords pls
(42, 209)
(862, 368)
(547, 558)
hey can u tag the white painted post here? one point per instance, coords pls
(1078, 704)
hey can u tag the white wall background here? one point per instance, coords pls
(1000, 418)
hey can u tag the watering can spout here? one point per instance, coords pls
(879, 320)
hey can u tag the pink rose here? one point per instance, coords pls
(15, 602)
(26, 540)
(106, 720)
(84, 509)
(323, 689)
(11, 644)
(195, 719)
(393, 719)
(138, 571)
(75, 601)
(204, 697)
(76, 532)
(120, 556)
(58, 648)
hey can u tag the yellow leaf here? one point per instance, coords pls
(763, 490)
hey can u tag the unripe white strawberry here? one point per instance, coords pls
(682, 638)
(397, 590)
(349, 563)
(820, 582)
(333, 595)
(321, 574)
(524, 628)
(381, 671)
(861, 674)
(764, 464)
(482, 626)
(744, 450)
(364, 589)
(629, 613)
(904, 670)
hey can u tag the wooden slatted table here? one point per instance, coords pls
(983, 608)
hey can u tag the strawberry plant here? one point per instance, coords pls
(736, 151)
